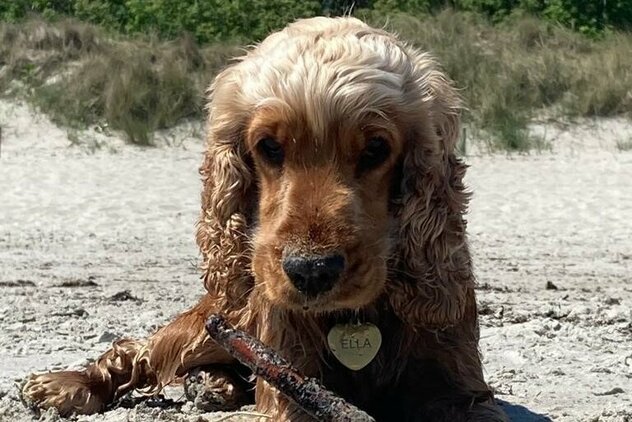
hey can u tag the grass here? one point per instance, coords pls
(80, 76)
(512, 73)
(509, 74)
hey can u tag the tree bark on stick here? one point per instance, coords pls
(308, 393)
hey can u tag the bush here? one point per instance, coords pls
(208, 20)
(590, 17)
(112, 14)
(248, 20)
(214, 20)
(587, 16)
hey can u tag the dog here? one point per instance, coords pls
(332, 219)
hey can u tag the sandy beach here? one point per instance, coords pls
(97, 242)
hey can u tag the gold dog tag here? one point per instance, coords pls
(354, 345)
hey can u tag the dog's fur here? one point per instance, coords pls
(322, 88)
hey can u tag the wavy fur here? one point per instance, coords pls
(316, 81)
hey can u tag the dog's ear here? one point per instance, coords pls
(433, 273)
(228, 196)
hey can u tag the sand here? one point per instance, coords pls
(83, 222)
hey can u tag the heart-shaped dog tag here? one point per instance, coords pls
(354, 345)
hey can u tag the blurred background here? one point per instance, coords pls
(137, 66)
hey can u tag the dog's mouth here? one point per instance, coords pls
(325, 283)
(323, 302)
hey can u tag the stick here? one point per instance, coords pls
(266, 363)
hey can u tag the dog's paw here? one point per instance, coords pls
(215, 389)
(67, 391)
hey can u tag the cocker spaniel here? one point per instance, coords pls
(332, 221)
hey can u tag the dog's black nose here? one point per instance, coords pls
(312, 275)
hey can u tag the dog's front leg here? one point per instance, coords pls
(171, 352)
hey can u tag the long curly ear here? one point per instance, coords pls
(433, 275)
(228, 197)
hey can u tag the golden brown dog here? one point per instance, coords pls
(332, 195)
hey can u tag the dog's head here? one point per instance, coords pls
(330, 170)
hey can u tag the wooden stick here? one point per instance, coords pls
(308, 393)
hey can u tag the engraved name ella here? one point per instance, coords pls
(354, 343)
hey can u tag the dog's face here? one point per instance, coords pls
(330, 164)
(322, 239)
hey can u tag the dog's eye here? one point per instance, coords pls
(271, 150)
(375, 153)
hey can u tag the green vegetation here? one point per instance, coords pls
(80, 76)
(206, 20)
(511, 66)
(213, 20)
(525, 68)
